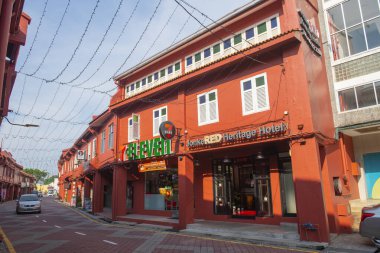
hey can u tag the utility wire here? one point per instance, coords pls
(218, 37)
(78, 45)
(99, 45)
(159, 34)
(52, 41)
(35, 36)
(109, 53)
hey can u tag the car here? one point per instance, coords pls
(28, 203)
(40, 194)
(370, 224)
(34, 192)
(50, 193)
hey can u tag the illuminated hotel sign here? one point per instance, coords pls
(147, 149)
(262, 132)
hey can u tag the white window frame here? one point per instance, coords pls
(160, 119)
(103, 142)
(93, 148)
(254, 99)
(208, 121)
(111, 135)
(130, 129)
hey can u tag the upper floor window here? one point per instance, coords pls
(238, 39)
(134, 128)
(254, 93)
(273, 23)
(207, 52)
(103, 142)
(189, 61)
(208, 108)
(359, 96)
(94, 147)
(354, 27)
(249, 34)
(110, 136)
(159, 115)
(227, 43)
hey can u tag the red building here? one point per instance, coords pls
(13, 180)
(13, 29)
(255, 137)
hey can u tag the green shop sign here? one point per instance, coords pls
(149, 148)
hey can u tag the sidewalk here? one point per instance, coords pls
(285, 235)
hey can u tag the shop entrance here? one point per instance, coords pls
(242, 187)
(161, 190)
(372, 174)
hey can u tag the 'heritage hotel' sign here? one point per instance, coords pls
(265, 131)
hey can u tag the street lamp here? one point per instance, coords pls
(23, 125)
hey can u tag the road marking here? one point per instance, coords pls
(79, 233)
(113, 243)
(57, 226)
(44, 221)
(37, 216)
(8, 243)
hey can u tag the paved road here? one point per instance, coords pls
(61, 229)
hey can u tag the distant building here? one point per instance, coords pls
(13, 180)
(351, 35)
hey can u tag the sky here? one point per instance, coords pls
(72, 51)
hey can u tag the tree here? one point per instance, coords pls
(37, 173)
(50, 179)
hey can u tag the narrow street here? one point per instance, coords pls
(61, 229)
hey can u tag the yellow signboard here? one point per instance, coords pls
(152, 166)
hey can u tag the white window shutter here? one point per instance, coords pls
(248, 100)
(156, 125)
(202, 113)
(213, 110)
(135, 130)
(129, 132)
(261, 97)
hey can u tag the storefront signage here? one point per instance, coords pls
(310, 33)
(147, 149)
(152, 166)
(265, 131)
(167, 130)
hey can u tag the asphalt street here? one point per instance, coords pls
(61, 229)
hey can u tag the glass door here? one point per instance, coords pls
(263, 197)
(288, 198)
(222, 187)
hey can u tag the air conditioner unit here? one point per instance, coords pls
(80, 155)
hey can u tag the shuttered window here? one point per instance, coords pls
(208, 108)
(160, 115)
(255, 94)
(134, 128)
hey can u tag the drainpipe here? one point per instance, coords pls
(5, 22)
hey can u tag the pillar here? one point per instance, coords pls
(307, 176)
(119, 192)
(97, 203)
(185, 191)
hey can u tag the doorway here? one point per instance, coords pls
(242, 187)
(372, 174)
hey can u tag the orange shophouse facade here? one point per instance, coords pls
(255, 140)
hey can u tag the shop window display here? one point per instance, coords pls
(161, 190)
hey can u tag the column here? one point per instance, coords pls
(119, 192)
(307, 176)
(97, 203)
(185, 191)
